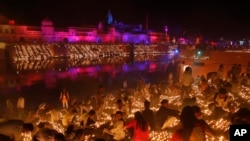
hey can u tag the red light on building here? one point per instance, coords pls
(11, 22)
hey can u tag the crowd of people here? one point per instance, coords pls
(183, 106)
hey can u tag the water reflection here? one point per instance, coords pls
(64, 64)
(27, 73)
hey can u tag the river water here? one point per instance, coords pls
(42, 81)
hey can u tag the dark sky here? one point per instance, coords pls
(209, 18)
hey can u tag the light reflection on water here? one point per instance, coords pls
(45, 79)
(65, 70)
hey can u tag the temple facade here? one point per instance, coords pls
(112, 33)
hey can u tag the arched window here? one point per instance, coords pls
(66, 40)
(6, 30)
(21, 39)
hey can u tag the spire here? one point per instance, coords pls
(146, 22)
(110, 19)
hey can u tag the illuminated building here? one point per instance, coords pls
(112, 32)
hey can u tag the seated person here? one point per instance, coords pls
(45, 134)
(242, 116)
(209, 93)
(163, 114)
(222, 99)
(14, 128)
(198, 114)
(70, 132)
(79, 135)
(5, 138)
(89, 119)
(116, 131)
(121, 107)
(221, 103)
(189, 101)
(59, 137)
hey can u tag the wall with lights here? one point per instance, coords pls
(92, 34)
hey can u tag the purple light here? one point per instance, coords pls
(141, 66)
(125, 68)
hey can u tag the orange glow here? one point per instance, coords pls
(2, 45)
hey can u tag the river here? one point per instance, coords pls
(42, 81)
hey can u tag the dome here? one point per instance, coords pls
(47, 22)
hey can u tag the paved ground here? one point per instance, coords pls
(215, 59)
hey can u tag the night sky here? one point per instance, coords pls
(210, 19)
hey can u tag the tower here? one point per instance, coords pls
(47, 26)
(110, 19)
(47, 29)
(146, 22)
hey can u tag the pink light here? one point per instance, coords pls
(107, 68)
(152, 66)
(153, 38)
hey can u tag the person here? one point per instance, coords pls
(53, 113)
(121, 107)
(45, 134)
(70, 132)
(5, 138)
(220, 72)
(64, 98)
(189, 101)
(99, 99)
(20, 103)
(186, 82)
(10, 107)
(222, 100)
(89, 119)
(181, 69)
(204, 84)
(189, 128)
(78, 119)
(117, 132)
(242, 116)
(13, 128)
(68, 117)
(170, 71)
(59, 137)
(140, 127)
(20, 107)
(125, 85)
(235, 83)
(163, 114)
(154, 95)
(100, 139)
(198, 114)
(149, 115)
(248, 68)
(79, 135)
